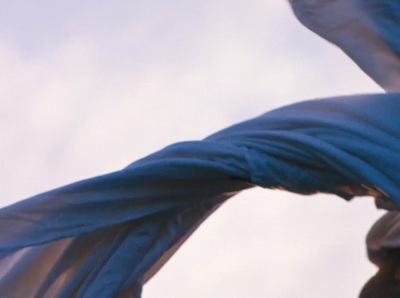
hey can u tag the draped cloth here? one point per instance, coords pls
(106, 236)
(368, 31)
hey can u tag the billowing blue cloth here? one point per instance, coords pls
(368, 31)
(106, 236)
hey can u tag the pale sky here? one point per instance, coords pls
(87, 87)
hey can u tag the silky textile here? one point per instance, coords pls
(106, 236)
(368, 31)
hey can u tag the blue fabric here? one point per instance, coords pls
(386, 17)
(106, 236)
(366, 30)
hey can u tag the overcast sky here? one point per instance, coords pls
(87, 87)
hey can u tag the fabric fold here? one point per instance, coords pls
(366, 30)
(106, 236)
